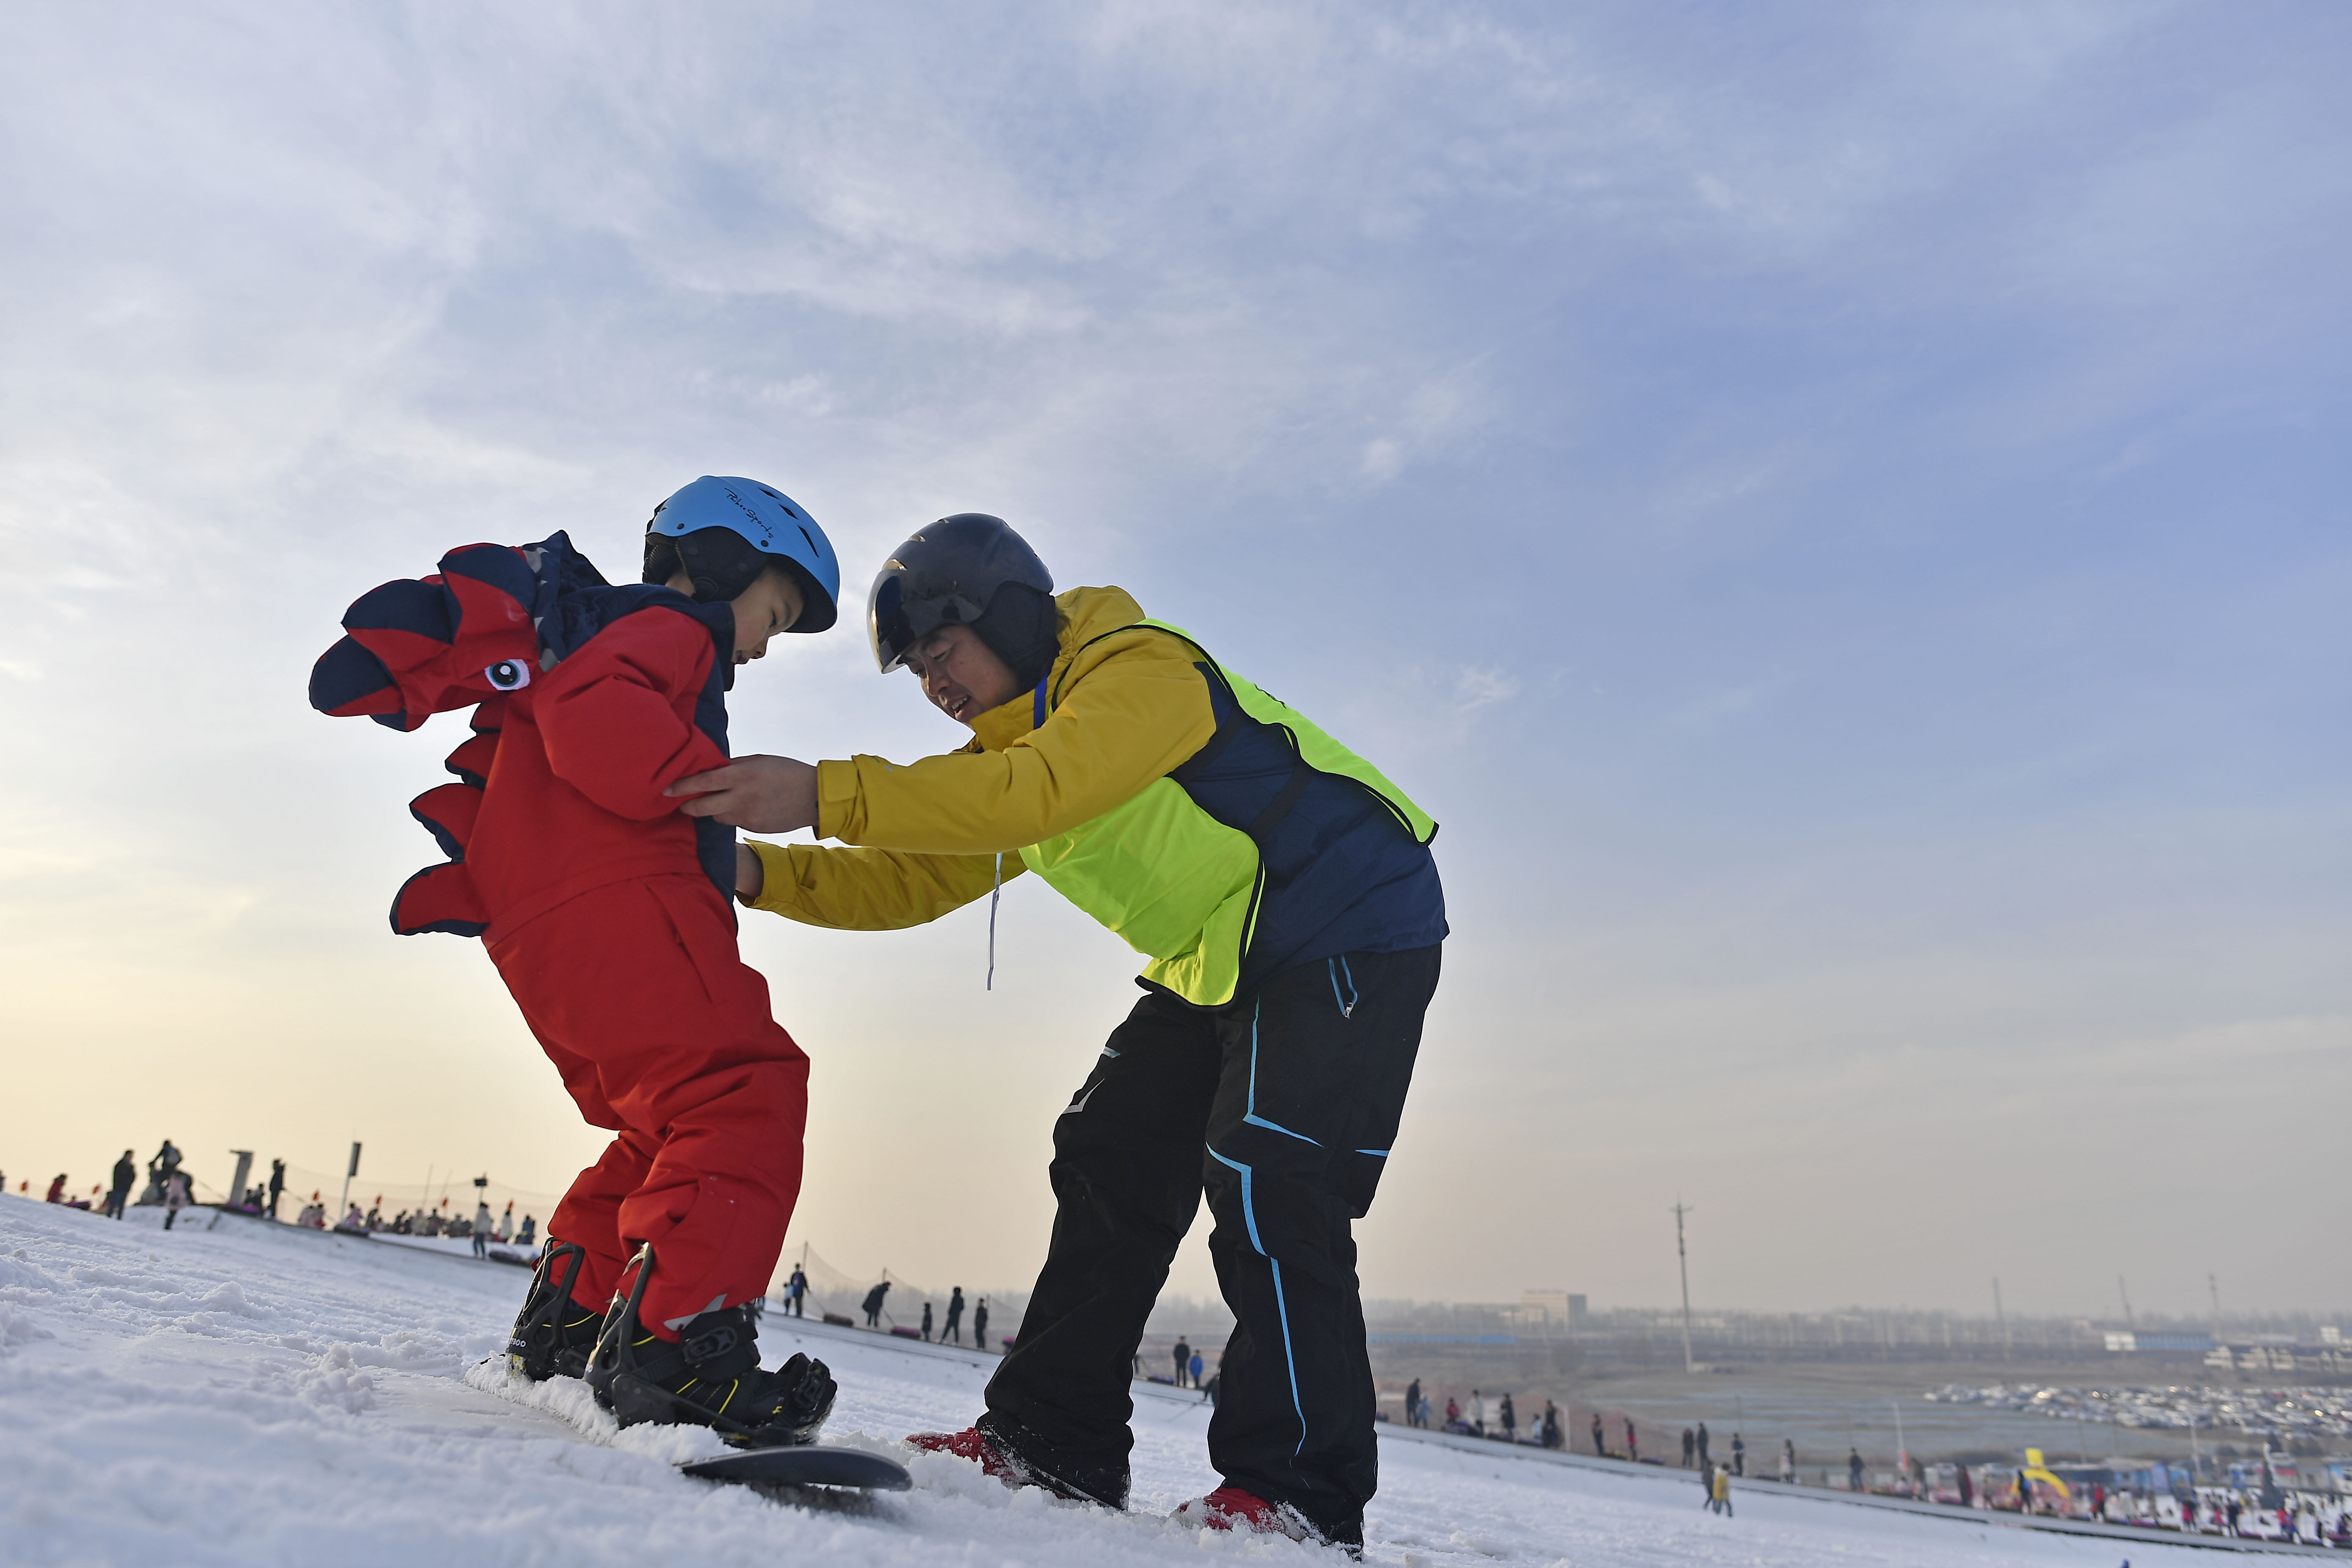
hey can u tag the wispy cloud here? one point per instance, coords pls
(1483, 688)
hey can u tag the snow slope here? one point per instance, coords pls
(252, 1395)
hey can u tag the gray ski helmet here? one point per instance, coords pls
(946, 574)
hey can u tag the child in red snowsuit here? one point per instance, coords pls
(608, 915)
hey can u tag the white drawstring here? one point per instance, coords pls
(992, 894)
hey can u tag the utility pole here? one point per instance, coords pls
(2129, 1322)
(343, 1206)
(1682, 1253)
(236, 1182)
(2215, 1285)
(2002, 1316)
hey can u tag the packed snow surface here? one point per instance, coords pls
(236, 1392)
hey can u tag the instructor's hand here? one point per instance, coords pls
(766, 794)
(750, 874)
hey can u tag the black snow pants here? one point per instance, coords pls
(1282, 1105)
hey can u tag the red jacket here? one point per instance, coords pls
(574, 798)
(588, 701)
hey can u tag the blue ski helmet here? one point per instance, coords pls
(723, 532)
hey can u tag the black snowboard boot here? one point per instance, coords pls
(709, 1376)
(552, 1335)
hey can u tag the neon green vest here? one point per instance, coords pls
(1179, 886)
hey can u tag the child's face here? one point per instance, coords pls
(768, 606)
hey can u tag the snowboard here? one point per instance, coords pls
(809, 1466)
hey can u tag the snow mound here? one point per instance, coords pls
(236, 1393)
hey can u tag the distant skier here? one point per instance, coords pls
(1510, 1415)
(276, 1185)
(482, 1223)
(126, 1176)
(1412, 1412)
(954, 1328)
(175, 1197)
(1690, 1447)
(1721, 1500)
(927, 1322)
(1853, 1474)
(1738, 1456)
(796, 1293)
(1789, 1467)
(1195, 1367)
(1600, 1442)
(57, 1190)
(1633, 1448)
(979, 1322)
(1551, 1433)
(874, 1304)
(526, 1237)
(1703, 1458)
(1182, 1354)
(1477, 1413)
(1967, 1487)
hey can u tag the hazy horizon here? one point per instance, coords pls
(1841, 516)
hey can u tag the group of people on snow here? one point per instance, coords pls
(1696, 1445)
(168, 1187)
(1498, 1419)
(796, 1297)
(1279, 887)
(484, 1229)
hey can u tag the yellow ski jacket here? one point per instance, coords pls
(928, 834)
(1275, 840)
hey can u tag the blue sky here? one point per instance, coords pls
(1840, 515)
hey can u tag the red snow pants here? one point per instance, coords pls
(664, 1035)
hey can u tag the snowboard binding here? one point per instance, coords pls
(709, 1376)
(552, 1337)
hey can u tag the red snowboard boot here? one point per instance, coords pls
(971, 1444)
(1019, 1457)
(1230, 1508)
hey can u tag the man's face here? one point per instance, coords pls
(961, 675)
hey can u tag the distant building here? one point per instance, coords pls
(1550, 1311)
